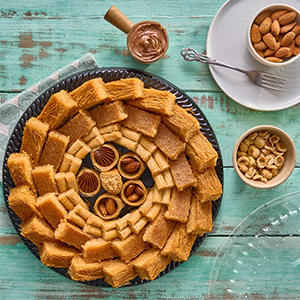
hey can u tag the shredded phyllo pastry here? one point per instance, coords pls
(79, 189)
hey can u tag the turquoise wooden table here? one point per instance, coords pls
(37, 38)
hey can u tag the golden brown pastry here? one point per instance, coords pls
(97, 250)
(182, 173)
(79, 126)
(22, 201)
(168, 142)
(200, 217)
(51, 208)
(71, 234)
(201, 152)
(90, 94)
(179, 206)
(57, 254)
(34, 138)
(20, 168)
(182, 123)
(142, 121)
(44, 179)
(160, 102)
(58, 109)
(109, 113)
(179, 244)
(79, 270)
(150, 263)
(37, 230)
(111, 181)
(54, 150)
(125, 89)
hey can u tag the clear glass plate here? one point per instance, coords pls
(261, 257)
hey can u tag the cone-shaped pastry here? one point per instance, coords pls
(105, 157)
(88, 182)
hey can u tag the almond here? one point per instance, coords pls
(274, 59)
(277, 14)
(287, 39)
(269, 40)
(285, 29)
(297, 40)
(265, 26)
(255, 34)
(297, 50)
(291, 46)
(296, 29)
(259, 19)
(287, 18)
(282, 51)
(260, 53)
(275, 27)
(270, 52)
(260, 46)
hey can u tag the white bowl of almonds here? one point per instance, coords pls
(264, 156)
(273, 35)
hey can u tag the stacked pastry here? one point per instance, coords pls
(53, 182)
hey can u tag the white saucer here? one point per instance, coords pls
(226, 41)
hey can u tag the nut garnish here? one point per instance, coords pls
(263, 158)
(107, 206)
(130, 165)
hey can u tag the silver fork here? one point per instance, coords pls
(260, 78)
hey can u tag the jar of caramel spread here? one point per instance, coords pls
(147, 41)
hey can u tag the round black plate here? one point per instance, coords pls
(107, 74)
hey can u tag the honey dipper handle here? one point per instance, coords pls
(116, 18)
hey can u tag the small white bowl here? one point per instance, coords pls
(289, 158)
(273, 7)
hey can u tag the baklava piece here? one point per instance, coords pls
(179, 206)
(201, 152)
(168, 142)
(131, 247)
(179, 244)
(97, 250)
(160, 102)
(200, 217)
(51, 208)
(125, 89)
(37, 230)
(79, 126)
(182, 123)
(117, 273)
(108, 113)
(57, 254)
(54, 150)
(44, 179)
(150, 263)
(88, 182)
(158, 232)
(71, 234)
(182, 173)
(79, 270)
(208, 186)
(34, 138)
(58, 110)
(111, 181)
(142, 121)
(90, 94)
(79, 215)
(20, 168)
(22, 201)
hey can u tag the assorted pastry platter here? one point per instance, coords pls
(109, 75)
